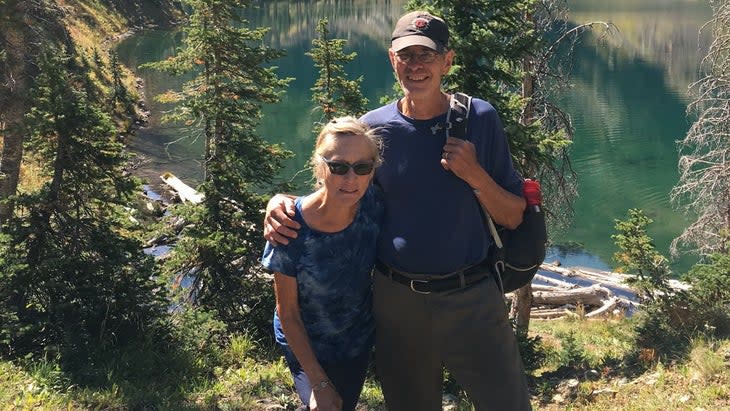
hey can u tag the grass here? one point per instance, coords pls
(38, 387)
(247, 377)
(617, 376)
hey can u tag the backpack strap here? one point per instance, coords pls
(456, 123)
(458, 115)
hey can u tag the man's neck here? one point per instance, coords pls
(424, 108)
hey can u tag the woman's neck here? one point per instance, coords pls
(322, 214)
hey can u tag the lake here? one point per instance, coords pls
(627, 102)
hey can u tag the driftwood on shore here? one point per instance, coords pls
(592, 301)
(184, 191)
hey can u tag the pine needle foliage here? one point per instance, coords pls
(637, 255)
(232, 79)
(71, 283)
(703, 190)
(333, 92)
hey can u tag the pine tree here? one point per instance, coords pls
(333, 92)
(23, 28)
(71, 280)
(703, 190)
(222, 103)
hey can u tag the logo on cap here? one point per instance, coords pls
(420, 23)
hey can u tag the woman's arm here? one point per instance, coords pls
(287, 306)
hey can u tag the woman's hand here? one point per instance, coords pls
(325, 399)
(278, 224)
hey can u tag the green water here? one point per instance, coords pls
(627, 103)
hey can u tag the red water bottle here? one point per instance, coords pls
(533, 194)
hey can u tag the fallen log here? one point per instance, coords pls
(559, 283)
(593, 295)
(184, 191)
(540, 287)
(552, 313)
(609, 278)
(608, 305)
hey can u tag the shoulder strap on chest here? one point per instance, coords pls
(458, 114)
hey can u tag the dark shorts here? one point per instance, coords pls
(347, 376)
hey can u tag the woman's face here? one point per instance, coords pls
(350, 154)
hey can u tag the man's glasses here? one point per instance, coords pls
(341, 168)
(425, 57)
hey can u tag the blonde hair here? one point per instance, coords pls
(342, 127)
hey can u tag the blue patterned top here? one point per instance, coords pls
(333, 281)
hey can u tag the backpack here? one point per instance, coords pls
(514, 255)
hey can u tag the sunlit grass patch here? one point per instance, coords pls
(371, 397)
(705, 361)
(35, 390)
(600, 340)
(253, 385)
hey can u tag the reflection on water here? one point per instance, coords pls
(628, 106)
(627, 103)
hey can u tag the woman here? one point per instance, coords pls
(323, 319)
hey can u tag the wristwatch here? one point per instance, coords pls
(321, 385)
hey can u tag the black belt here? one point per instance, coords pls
(457, 279)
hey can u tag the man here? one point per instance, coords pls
(436, 303)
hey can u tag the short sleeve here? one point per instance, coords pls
(279, 259)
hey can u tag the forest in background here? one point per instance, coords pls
(87, 313)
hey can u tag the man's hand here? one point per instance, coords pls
(278, 224)
(460, 157)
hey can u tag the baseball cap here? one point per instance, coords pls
(420, 28)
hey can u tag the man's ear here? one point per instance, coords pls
(448, 61)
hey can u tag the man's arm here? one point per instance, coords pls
(505, 208)
(279, 227)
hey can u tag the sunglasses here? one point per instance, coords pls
(341, 168)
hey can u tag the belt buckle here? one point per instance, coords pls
(416, 291)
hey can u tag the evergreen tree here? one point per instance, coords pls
(703, 189)
(638, 256)
(233, 78)
(25, 26)
(333, 92)
(71, 281)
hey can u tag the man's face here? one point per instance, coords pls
(420, 69)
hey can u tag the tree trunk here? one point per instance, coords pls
(17, 71)
(10, 159)
(522, 298)
(521, 307)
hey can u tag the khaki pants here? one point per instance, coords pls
(465, 330)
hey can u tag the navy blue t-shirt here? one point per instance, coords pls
(432, 221)
(333, 281)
